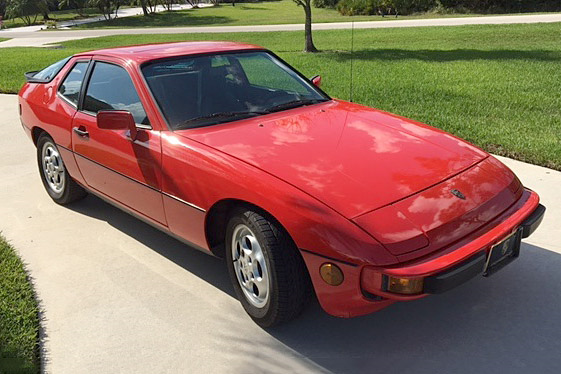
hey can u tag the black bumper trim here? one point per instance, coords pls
(457, 275)
(531, 223)
(475, 265)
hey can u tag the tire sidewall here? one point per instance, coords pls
(41, 143)
(259, 315)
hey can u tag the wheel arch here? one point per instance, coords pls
(66, 154)
(217, 217)
(36, 132)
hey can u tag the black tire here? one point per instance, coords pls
(70, 190)
(290, 285)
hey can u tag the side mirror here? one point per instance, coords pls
(316, 80)
(117, 120)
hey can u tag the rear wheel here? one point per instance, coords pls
(266, 269)
(58, 183)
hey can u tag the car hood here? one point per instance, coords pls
(353, 158)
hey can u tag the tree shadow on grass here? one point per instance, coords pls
(251, 7)
(445, 55)
(165, 19)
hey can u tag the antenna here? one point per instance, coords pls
(352, 50)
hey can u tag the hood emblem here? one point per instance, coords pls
(458, 194)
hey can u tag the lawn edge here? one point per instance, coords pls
(40, 349)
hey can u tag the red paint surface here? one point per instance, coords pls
(357, 186)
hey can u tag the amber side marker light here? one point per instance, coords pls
(406, 286)
(331, 274)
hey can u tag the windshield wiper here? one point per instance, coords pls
(218, 115)
(295, 104)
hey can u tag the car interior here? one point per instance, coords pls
(198, 87)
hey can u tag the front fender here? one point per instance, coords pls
(202, 176)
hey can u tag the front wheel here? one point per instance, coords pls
(266, 269)
(58, 183)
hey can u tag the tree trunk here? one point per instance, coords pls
(310, 47)
(144, 7)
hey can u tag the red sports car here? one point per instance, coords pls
(225, 146)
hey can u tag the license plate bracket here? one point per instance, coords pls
(503, 253)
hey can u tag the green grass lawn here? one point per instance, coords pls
(19, 319)
(61, 15)
(3, 39)
(261, 13)
(498, 86)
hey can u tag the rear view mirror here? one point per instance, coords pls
(116, 120)
(316, 80)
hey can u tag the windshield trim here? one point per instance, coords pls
(234, 51)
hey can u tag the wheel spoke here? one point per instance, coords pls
(53, 168)
(250, 266)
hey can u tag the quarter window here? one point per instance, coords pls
(111, 88)
(50, 71)
(70, 87)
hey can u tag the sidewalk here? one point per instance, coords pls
(42, 39)
(122, 12)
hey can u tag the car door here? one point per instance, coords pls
(59, 106)
(113, 164)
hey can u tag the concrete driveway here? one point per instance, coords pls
(121, 297)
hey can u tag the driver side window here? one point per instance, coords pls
(111, 88)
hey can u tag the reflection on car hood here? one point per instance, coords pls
(353, 158)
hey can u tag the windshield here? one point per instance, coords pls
(205, 90)
(49, 72)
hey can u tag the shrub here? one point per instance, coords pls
(370, 7)
(27, 10)
(355, 7)
(500, 6)
(325, 3)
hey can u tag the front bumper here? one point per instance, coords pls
(364, 289)
(475, 265)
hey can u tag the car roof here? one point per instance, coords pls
(148, 52)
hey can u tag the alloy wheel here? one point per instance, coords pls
(53, 168)
(250, 266)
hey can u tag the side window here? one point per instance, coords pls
(70, 87)
(111, 88)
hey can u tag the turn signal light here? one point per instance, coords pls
(331, 274)
(406, 286)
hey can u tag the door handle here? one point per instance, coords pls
(81, 131)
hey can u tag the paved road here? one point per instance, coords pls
(121, 297)
(39, 39)
(121, 13)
